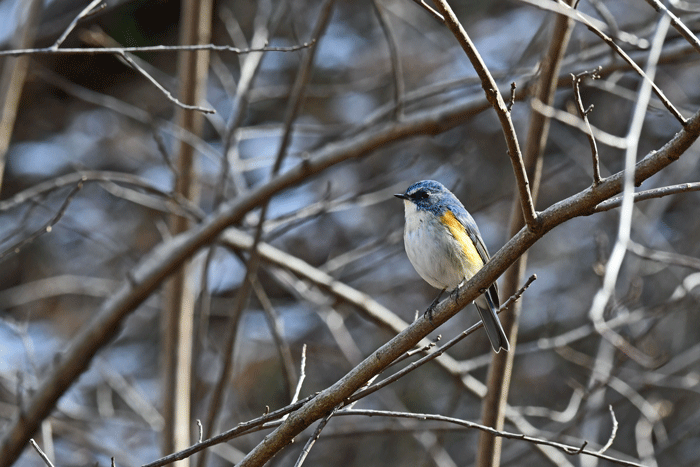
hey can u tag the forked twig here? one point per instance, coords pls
(576, 82)
(87, 11)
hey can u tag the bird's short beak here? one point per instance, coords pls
(401, 195)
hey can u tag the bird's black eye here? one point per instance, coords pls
(420, 194)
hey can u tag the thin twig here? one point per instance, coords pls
(653, 193)
(511, 103)
(43, 456)
(576, 81)
(571, 450)
(677, 24)
(310, 443)
(47, 227)
(396, 68)
(302, 374)
(275, 326)
(87, 11)
(132, 63)
(239, 429)
(613, 433)
(151, 48)
(430, 10)
(563, 9)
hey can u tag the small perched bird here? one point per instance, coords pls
(445, 247)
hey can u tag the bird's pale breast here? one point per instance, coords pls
(439, 248)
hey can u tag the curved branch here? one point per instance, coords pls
(495, 98)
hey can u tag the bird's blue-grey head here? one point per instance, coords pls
(431, 196)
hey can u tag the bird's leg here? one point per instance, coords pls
(429, 311)
(455, 293)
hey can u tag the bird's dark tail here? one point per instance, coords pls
(492, 324)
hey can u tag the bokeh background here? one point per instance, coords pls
(93, 115)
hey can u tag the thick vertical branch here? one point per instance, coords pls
(14, 70)
(179, 314)
(493, 409)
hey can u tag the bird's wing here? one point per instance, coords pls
(472, 231)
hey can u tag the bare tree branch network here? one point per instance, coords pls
(202, 260)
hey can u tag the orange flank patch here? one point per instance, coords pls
(458, 231)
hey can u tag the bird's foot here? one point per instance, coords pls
(429, 312)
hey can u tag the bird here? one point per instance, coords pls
(445, 247)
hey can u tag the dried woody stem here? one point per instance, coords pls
(493, 95)
(42, 454)
(93, 7)
(576, 82)
(568, 449)
(150, 49)
(677, 24)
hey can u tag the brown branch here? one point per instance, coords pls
(177, 332)
(583, 112)
(239, 239)
(438, 352)
(616, 202)
(493, 95)
(12, 77)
